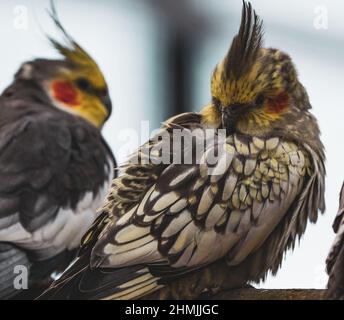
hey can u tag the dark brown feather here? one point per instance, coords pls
(245, 45)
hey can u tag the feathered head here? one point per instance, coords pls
(74, 84)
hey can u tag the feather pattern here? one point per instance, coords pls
(179, 227)
(222, 229)
(335, 259)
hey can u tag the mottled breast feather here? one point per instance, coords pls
(183, 218)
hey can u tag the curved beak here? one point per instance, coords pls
(106, 100)
(231, 114)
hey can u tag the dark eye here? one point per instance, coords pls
(260, 100)
(83, 84)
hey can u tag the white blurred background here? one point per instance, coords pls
(157, 56)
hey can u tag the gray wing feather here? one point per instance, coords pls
(335, 259)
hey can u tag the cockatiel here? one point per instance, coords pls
(180, 230)
(55, 167)
(335, 260)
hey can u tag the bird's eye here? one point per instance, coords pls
(83, 84)
(260, 100)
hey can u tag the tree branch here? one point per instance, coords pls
(270, 294)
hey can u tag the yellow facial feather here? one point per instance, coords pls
(76, 101)
(93, 110)
(79, 65)
(271, 75)
(245, 89)
(211, 116)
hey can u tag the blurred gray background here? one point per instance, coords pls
(158, 55)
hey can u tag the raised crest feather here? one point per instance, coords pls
(245, 45)
(71, 50)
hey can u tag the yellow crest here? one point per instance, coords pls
(74, 53)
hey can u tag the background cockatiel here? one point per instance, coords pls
(55, 167)
(335, 259)
(171, 230)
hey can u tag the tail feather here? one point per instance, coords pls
(137, 287)
(83, 283)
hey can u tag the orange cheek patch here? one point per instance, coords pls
(278, 103)
(65, 92)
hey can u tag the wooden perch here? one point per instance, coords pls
(270, 294)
